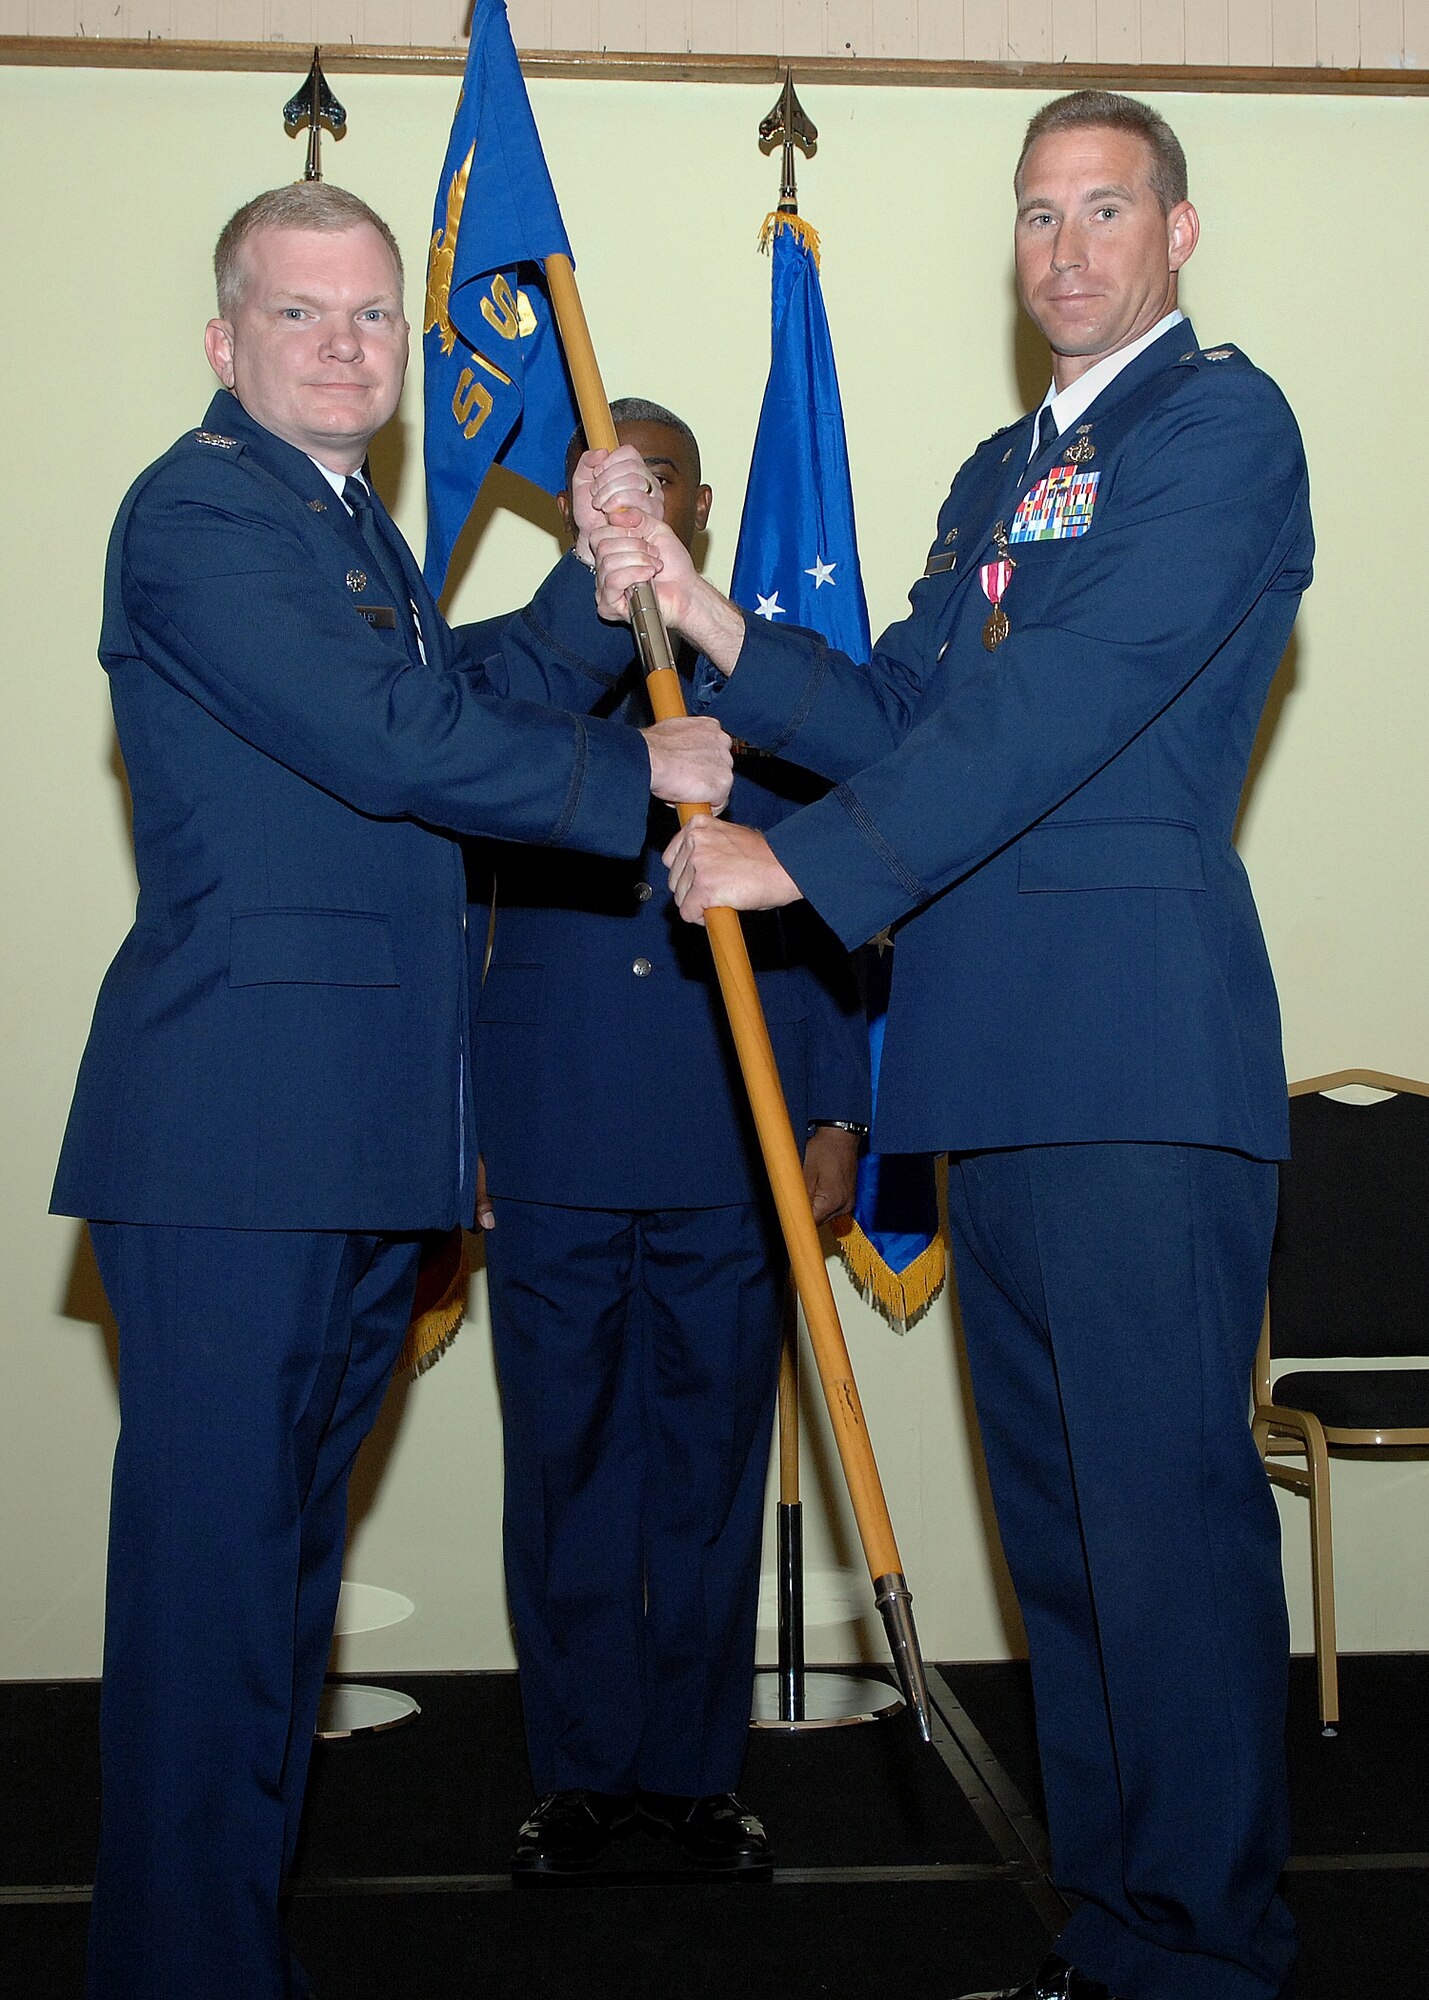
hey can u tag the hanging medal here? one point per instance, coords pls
(995, 577)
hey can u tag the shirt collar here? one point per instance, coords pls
(1068, 404)
(337, 480)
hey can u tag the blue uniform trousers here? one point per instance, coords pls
(252, 1364)
(638, 1353)
(1112, 1299)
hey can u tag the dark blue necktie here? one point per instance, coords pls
(1046, 429)
(385, 559)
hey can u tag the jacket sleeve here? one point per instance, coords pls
(837, 1061)
(229, 606)
(1210, 512)
(556, 649)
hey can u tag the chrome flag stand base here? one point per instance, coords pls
(348, 1709)
(822, 1698)
(790, 1697)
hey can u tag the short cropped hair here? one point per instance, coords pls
(1107, 108)
(316, 205)
(637, 410)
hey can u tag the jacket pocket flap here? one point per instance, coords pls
(311, 948)
(1110, 854)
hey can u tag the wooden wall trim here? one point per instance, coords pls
(92, 52)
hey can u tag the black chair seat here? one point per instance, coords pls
(1383, 1399)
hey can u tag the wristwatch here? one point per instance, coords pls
(838, 1125)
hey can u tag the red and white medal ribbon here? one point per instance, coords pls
(995, 577)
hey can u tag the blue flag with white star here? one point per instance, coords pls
(496, 386)
(797, 564)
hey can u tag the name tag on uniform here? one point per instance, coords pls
(1058, 508)
(941, 561)
(381, 617)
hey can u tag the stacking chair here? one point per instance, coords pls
(1349, 1284)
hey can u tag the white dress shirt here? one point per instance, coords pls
(1068, 404)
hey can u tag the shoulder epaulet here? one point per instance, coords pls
(1200, 356)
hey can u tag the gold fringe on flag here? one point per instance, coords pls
(902, 1297)
(439, 1306)
(783, 218)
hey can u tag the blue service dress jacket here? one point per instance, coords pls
(606, 1076)
(282, 1041)
(1050, 824)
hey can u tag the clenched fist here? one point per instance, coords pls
(691, 761)
(726, 867)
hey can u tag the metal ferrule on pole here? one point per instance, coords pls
(894, 1599)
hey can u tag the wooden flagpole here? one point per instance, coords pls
(782, 1158)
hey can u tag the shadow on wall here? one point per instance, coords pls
(387, 462)
(377, 1448)
(84, 1300)
(501, 493)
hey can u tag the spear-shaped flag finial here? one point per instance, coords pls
(314, 105)
(788, 123)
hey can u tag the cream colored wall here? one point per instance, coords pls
(116, 183)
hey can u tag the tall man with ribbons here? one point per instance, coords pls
(1038, 776)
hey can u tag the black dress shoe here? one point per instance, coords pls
(716, 1831)
(569, 1831)
(1054, 1979)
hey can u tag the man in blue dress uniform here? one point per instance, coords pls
(1037, 779)
(275, 1099)
(636, 1277)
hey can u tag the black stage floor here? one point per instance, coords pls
(902, 1871)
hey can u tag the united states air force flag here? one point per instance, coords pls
(496, 385)
(797, 564)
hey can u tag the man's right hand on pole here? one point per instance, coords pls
(636, 549)
(691, 761)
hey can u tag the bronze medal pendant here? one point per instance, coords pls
(994, 578)
(996, 629)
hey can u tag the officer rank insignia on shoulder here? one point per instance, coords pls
(1218, 354)
(1058, 508)
(217, 439)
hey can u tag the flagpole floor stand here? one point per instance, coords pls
(831, 1700)
(350, 1709)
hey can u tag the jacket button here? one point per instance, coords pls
(641, 968)
(643, 892)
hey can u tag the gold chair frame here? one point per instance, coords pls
(1278, 1431)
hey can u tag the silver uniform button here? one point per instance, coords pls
(641, 968)
(643, 892)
